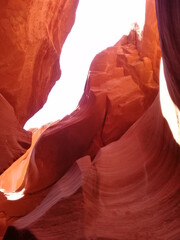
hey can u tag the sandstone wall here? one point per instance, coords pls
(32, 35)
(126, 183)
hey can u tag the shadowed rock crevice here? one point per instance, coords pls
(15, 234)
(168, 18)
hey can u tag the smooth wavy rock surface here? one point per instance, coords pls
(63, 143)
(137, 184)
(130, 192)
(128, 189)
(12, 178)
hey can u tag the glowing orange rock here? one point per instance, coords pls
(150, 45)
(64, 142)
(127, 79)
(12, 178)
(131, 190)
(32, 35)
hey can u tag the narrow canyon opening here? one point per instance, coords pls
(98, 25)
(110, 168)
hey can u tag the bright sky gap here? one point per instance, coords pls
(99, 24)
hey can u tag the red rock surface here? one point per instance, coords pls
(74, 135)
(12, 178)
(120, 197)
(123, 189)
(126, 77)
(136, 180)
(32, 35)
(150, 46)
(14, 140)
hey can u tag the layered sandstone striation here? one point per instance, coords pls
(119, 197)
(119, 89)
(110, 170)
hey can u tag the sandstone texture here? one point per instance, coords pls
(32, 36)
(51, 165)
(127, 78)
(150, 45)
(14, 140)
(109, 170)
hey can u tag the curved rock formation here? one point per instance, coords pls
(170, 44)
(129, 187)
(137, 183)
(119, 89)
(74, 134)
(130, 191)
(12, 178)
(32, 36)
(14, 140)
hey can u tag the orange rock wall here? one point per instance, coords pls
(127, 79)
(14, 141)
(126, 183)
(150, 45)
(32, 35)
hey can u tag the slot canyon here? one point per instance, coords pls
(110, 170)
